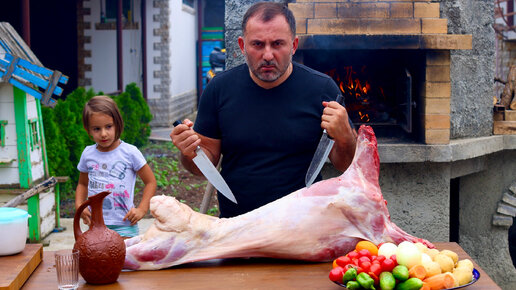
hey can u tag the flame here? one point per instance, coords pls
(357, 90)
(364, 117)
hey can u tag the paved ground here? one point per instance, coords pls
(160, 134)
(65, 240)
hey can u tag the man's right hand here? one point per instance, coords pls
(185, 138)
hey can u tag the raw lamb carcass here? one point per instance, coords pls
(318, 223)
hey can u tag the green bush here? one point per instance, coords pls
(136, 115)
(66, 138)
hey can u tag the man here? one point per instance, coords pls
(265, 116)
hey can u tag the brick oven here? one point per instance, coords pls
(401, 50)
(428, 68)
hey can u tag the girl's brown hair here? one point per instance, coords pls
(104, 105)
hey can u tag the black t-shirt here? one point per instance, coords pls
(268, 137)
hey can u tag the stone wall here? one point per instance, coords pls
(480, 194)
(472, 71)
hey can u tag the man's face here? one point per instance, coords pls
(268, 48)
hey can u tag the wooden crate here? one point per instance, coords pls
(510, 115)
(504, 127)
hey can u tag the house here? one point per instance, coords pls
(155, 45)
(24, 85)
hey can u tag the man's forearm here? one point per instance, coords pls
(190, 165)
(342, 154)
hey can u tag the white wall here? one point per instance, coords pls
(103, 49)
(183, 34)
(9, 172)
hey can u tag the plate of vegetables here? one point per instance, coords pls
(407, 266)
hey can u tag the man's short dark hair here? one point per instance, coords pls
(267, 11)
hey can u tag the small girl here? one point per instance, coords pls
(112, 165)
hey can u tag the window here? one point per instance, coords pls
(109, 13)
(189, 3)
(3, 123)
(34, 136)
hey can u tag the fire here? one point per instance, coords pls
(357, 91)
(364, 117)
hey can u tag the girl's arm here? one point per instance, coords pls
(147, 176)
(81, 194)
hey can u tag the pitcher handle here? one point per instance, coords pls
(77, 232)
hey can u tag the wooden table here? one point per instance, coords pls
(253, 273)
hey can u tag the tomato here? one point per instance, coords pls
(376, 262)
(364, 259)
(376, 269)
(380, 258)
(343, 261)
(367, 245)
(393, 258)
(336, 274)
(352, 254)
(365, 265)
(388, 265)
(364, 253)
(359, 269)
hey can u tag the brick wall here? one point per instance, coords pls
(393, 17)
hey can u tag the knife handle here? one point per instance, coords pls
(177, 122)
(340, 99)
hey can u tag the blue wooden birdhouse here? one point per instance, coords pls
(25, 85)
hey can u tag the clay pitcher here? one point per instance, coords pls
(101, 250)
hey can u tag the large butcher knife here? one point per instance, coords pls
(321, 153)
(210, 172)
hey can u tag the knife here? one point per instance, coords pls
(321, 153)
(210, 172)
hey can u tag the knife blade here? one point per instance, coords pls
(321, 153)
(211, 173)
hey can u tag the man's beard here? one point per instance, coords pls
(270, 76)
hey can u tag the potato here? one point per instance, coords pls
(463, 275)
(445, 262)
(422, 247)
(455, 281)
(432, 268)
(432, 253)
(466, 263)
(452, 255)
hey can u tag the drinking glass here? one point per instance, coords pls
(67, 268)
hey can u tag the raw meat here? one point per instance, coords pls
(318, 223)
